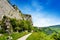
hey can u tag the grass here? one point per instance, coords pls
(3, 37)
(38, 36)
(14, 35)
(56, 29)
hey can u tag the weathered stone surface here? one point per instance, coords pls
(28, 17)
(8, 10)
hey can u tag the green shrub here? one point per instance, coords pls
(16, 35)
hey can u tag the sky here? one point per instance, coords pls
(44, 12)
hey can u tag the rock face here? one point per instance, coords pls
(11, 11)
(8, 10)
(28, 17)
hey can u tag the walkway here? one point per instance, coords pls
(25, 37)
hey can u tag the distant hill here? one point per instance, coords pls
(51, 29)
(55, 27)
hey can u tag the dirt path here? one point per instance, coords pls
(25, 37)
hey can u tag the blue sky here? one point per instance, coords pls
(44, 12)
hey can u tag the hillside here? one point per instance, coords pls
(55, 27)
(51, 29)
(11, 18)
(12, 11)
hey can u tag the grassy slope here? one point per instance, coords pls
(38, 36)
(56, 29)
(15, 36)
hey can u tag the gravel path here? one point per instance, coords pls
(25, 37)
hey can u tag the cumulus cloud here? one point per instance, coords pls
(39, 17)
(43, 21)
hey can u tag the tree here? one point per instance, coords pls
(13, 23)
(17, 28)
(55, 36)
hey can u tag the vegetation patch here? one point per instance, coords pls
(43, 36)
(14, 35)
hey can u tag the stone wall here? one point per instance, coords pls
(8, 10)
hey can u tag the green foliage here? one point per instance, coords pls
(36, 29)
(2, 31)
(17, 29)
(2, 24)
(43, 36)
(37, 36)
(3, 37)
(57, 29)
(55, 36)
(22, 24)
(15, 7)
(15, 24)
(14, 35)
(26, 25)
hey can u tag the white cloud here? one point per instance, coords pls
(40, 21)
